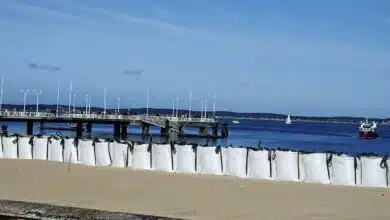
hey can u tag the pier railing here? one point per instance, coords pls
(46, 115)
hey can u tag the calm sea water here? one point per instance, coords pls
(309, 136)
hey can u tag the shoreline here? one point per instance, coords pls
(188, 196)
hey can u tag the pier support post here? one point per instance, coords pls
(224, 130)
(30, 127)
(215, 131)
(41, 126)
(181, 129)
(145, 129)
(89, 129)
(165, 130)
(203, 131)
(124, 130)
(117, 130)
(79, 130)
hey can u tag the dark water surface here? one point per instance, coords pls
(273, 134)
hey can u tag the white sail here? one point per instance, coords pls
(288, 120)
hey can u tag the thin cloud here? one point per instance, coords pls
(153, 23)
(33, 65)
(132, 72)
(43, 11)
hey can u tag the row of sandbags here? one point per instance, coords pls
(280, 164)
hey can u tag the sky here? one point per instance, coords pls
(302, 57)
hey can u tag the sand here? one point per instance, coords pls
(185, 196)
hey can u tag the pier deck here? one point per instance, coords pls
(120, 122)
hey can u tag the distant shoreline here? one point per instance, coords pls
(302, 120)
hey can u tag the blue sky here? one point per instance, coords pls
(292, 57)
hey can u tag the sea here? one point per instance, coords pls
(301, 136)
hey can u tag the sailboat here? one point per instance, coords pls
(288, 120)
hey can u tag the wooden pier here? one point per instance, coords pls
(119, 122)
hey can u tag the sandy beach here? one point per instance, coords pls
(185, 196)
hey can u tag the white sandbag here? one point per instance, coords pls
(285, 166)
(162, 157)
(10, 147)
(315, 168)
(102, 153)
(184, 159)
(374, 173)
(1, 146)
(86, 152)
(24, 148)
(235, 161)
(141, 157)
(259, 164)
(119, 154)
(209, 160)
(343, 170)
(70, 150)
(40, 148)
(55, 149)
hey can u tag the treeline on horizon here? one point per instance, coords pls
(222, 114)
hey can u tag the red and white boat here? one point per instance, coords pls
(368, 130)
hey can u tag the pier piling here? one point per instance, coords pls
(124, 130)
(145, 129)
(117, 130)
(41, 126)
(89, 128)
(203, 131)
(163, 131)
(215, 131)
(224, 130)
(79, 130)
(30, 127)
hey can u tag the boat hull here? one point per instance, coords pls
(368, 134)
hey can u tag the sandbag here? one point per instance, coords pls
(141, 157)
(70, 150)
(315, 167)
(259, 164)
(102, 153)
(162, 157)
(184, 159)
(55, 149)
(1, 146)
(119, 154)
(86, 152)
(286, 165)
(24, 148)
(235, 161)
(374, 171)
(10, 147)
(209, 160)
(40, 148)
(343, 170)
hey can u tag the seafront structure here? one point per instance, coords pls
(119, 122)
